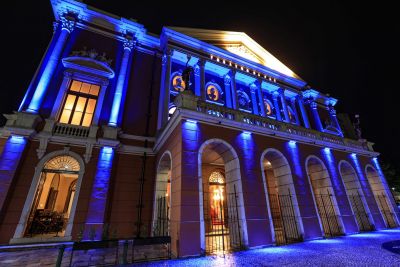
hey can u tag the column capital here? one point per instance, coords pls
(227, 79)
(331, 110)
(299, 97)
(253, 88)
(281, 91)
(55, 26)
(201, 62)
(129, 44)
(67, 23)
(196, 70)
(313, 104)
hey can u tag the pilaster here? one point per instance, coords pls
(67, 26)
(120, 91)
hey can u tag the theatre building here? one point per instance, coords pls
(200, 135)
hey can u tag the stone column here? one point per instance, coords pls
(95, 218)
(284, 105)
(227, 83)
(163, 102)
(253, 89)
(197, 90)
(121, 81)
(201, 64)
(41, 65)
(9, 161)
(293, 102)
(261, 99)
(235, 104)
(334, 120)
(303, 111)
(67, 26)
(275, 96)
(315, 114)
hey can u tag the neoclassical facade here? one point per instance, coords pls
(200, 135)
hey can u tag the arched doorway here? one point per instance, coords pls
(53, 199)
(281, 196)
(324, 197)
(162, 197)
(223, 223)
(381, 196)
(356, 196)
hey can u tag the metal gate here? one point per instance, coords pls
(329, 218)
(222, 223)
(385, 210)
(284, 219)
(360, 212)
(161, 222)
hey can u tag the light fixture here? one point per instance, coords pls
(292, 143)
(327, 149)
(191, 121)
(246, 132)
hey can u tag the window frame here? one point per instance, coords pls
(78, 95)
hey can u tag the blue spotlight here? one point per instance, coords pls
(191, 121)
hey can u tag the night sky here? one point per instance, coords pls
(348, 51)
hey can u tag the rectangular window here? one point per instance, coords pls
(80, 104)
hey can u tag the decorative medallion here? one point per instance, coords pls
(292, 117)
(213, 92)
(244, 100)
(178, 83)
(269, 111)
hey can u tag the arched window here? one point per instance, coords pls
(52, 203)
(216, 178)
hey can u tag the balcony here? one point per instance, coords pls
(187, 102)
(68, 130)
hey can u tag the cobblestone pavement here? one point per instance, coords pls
(353, 250)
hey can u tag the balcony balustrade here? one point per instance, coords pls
(188, 101)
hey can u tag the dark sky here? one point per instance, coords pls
(348, 51)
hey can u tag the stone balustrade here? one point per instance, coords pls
(188, 101)
(71, 130)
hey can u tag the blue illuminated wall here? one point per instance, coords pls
(98, 198)
(9, 161)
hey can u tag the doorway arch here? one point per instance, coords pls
(225, 228)
(162, 197)
(381, 196)
(281, 198)
(324, 197)
(356, 197)
(46, 200)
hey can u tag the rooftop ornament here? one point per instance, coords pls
(93, 54)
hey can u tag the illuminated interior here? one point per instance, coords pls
(80, 104)
(54, 196)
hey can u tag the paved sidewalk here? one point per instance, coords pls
(354, 250)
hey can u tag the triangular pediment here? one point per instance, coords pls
(238, 43)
